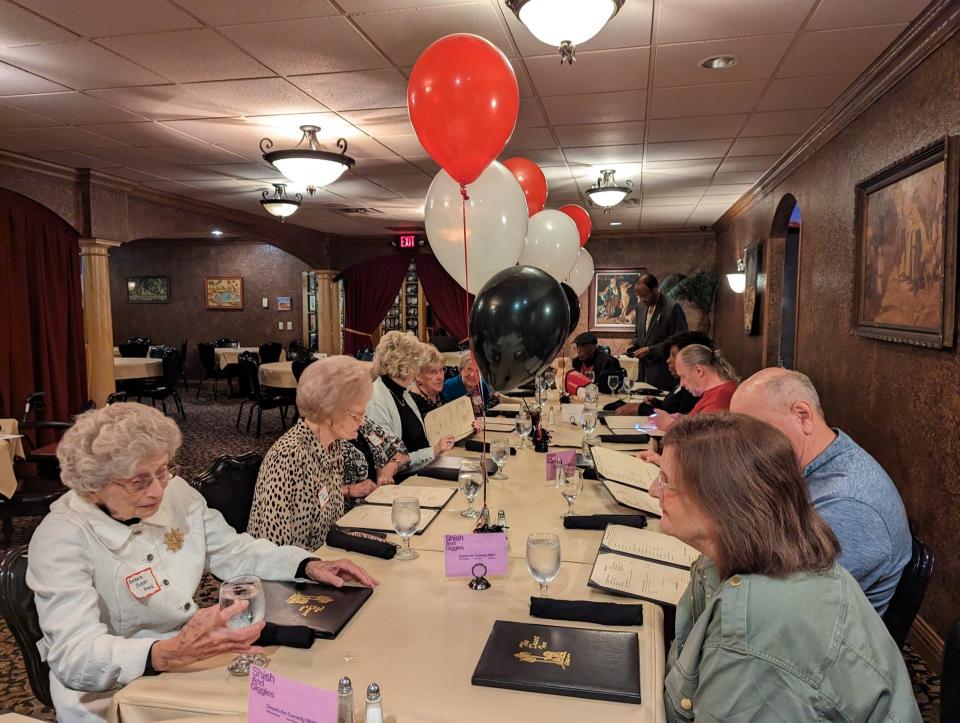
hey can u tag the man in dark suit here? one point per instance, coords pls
(589, 358)
(657, 319)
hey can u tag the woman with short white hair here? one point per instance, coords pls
(115, 565)
(395, 364)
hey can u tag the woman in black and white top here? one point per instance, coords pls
(371, 460)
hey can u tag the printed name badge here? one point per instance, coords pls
(324, 496)
(143, 583)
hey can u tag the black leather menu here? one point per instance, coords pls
(324, 609)
(577, 662)
(447, 467)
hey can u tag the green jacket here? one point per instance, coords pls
(808, 647)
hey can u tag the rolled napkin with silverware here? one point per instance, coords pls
(291, 636)
(361, 542)
(587, 611)
(600, 522)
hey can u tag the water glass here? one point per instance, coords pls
(628, 385)
(248, 588)
(613, 382)
(591, 377)
(550, 377)
(591, 394)
(543, 558)
(469, 481)
(405, 516)
(570, 484)
(524, 426)
(499, 452)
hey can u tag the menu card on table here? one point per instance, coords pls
(631, 425)
(624, 468)
(454, 418)
(649, 545)
(432, 497)
(632, 497)
(378, 517)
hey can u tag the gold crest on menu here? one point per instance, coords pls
(560, 658)
(309, 603)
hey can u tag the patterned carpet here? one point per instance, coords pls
(208, 432)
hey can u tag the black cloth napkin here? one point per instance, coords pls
(586, 611)
(613, 406)
(473, 445)
(625, 438)
(292, 636)
(354, 543)
(525, 393)
(600, 522)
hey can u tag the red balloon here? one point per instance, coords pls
(463, 102)
(532, 181)
(581, 218)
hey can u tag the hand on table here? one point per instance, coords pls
(628, 410)
(385, 477)
(445, 444)
(649, 456)
(664, 421)
(205, 635)
(336, 572)
(360, 489)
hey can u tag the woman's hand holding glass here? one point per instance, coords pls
(206, 634)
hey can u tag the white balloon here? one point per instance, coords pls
(582, 273)
(496, 224)
(552, 243)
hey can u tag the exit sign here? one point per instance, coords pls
(408, 241)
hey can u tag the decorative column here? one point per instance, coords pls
(329, 333)
(97, 318)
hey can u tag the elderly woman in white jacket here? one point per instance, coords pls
(116, 563)
(395, 363)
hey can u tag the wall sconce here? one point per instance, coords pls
(738, 280)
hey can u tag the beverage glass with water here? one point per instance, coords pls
(543, 558)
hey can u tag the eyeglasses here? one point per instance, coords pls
(661, 482)
(354, 416)
(139, 485)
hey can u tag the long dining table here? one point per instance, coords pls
(420, 634)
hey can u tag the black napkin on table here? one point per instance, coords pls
(614, 405)
(473, 445)
(292, 636)
(600, 522)
(625, 438)
(587, 611)
(365, 546)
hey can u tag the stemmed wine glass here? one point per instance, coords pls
(248, 588)
(550, 377)
(588, 423)
(469, 481)
(499, 452)
(524, 426)
(613, 382)
(405, 516)
(628, 385)
(543, 558)
(591, 377)
(591, 393)
(570, 484)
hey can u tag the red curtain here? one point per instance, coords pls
(445, 296)
(368, 290)
(41, 312)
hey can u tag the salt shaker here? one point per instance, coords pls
(345, 701)
(374, 712)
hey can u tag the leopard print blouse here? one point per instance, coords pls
(296, 475)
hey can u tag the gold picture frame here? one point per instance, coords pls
(223, 293)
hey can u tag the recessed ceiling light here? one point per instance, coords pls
(216, 232)
(719, 62)
(616, 223)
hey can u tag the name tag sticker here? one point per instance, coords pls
(324, 496)
(462, 552)
(143, 583)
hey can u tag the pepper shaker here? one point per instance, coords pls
(345, 701)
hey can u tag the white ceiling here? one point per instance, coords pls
(176, 95)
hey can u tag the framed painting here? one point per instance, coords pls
(906, 249)
(613, 300)
(751, 289)
(284, 303)
(223, 292)
(148, 289)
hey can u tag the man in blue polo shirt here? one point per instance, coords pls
(847, 486)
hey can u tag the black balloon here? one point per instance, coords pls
(573, 301)
(518, 323)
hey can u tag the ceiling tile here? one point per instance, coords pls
(705, 100)
(738, 177)
(10, 141)
(542, 157)
(600, 134)
(73, 108)
(79, 64)
(796, 93)
(246, 171)
(594, 72)
(132, 174)
(181, 154)
(837, 51)
(680, 64)
(628, 28)
(68, 139)
(780, 122)
(728, 189)
(654, 202)
(762, 146)
(530, 114)
(314, 45)
(136, 134)
(530, 139)
(421, 28)
(258, 96)
(409, 184)
(685, 172)
(684, 150)
(385, 165)
(728, 199)
(187, 55)
(21, 27)
(231, 12)
(14, 81)
(160, 102)
(748, 163)
(96, 18)
(183, 173)
(676, 189)
(16, 118)
(696, 129)
(405, 146)
(362, 190)
(247, 132)
(596, 107)
(72, 159)
(382, 122)
(689, 20)
(833, 14)
(605, 155)
(385, 88)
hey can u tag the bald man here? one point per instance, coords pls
(847, 486)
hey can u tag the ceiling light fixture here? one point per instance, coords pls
(719, 62)
(280, 204)
(738, 280)
(616, 223)
(216, 232)
(606, 192)
(565, 23)
(309, 166)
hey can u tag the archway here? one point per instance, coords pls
(785, 238)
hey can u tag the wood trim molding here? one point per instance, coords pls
(924, 639)
(931, 29)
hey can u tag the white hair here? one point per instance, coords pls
(783, 387)
(109, 444)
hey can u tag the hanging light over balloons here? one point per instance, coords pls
(531, 180)
(582, 273)
(496, 220)
(552, 243)
(463, 102)
(565, 23)
(581, 218)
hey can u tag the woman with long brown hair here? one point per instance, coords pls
(770, 627)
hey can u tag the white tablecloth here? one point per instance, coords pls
(136, 368)
(229, 355)
(278, 375)
(630, 365)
